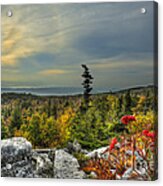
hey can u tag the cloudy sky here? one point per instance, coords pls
(45, 45)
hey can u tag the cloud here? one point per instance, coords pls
(32, 34)
(138, 61)
(50, 72)
(96, 30)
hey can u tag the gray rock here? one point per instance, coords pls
(66, 166)
(14, 149)
(98, 153)
(140, 168)
(74, 147)
(21, 169)
(84, 151)
(16, 158)
(43, 166)
(131, 174)
(140, 164)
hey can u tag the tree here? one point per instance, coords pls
(34, 130)
(4, 130)
(49, 107)
(89, 129)
(16, 120)
(127, 102)
(49, 133)
(87, 83)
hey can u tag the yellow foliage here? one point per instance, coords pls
(64, 118)
(63, 124)
(112, 100)
(22, 132)
(139, 105)
(143, 122)
(18, 133)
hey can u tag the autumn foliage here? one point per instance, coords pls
(124, 154)
(125, 121)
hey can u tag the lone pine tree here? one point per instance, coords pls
(87, 83)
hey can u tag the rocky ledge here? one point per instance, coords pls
(19, 160)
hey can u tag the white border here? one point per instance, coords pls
(43, 182)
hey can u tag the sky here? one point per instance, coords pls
(45, 45)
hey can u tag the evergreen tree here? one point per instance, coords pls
(49, 107)
(16, 118)
(87, 83)
(34, 130)
(119, 106)
(127, 102)
(89, 129)
(4, 131)
(49, 133)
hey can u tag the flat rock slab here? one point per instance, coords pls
(99, 153)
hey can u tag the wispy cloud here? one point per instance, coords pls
(50, 72)
(24, 36)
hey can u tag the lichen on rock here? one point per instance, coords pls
(16, 155)
(66, 166)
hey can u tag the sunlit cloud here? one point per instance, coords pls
(52, 72)
(29, 36)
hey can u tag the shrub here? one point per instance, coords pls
(123, 154)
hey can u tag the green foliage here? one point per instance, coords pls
(40, 130)
(4, 130)
(82, 158)
(34, 130)
(127, 103)
(91, 129)
(16, 119)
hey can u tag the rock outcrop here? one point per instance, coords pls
(19, 160)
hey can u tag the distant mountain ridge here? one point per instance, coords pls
(59, 91)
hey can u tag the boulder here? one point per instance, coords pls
(75, 147)
(66, 166)
(16, 158)
(15, 149)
